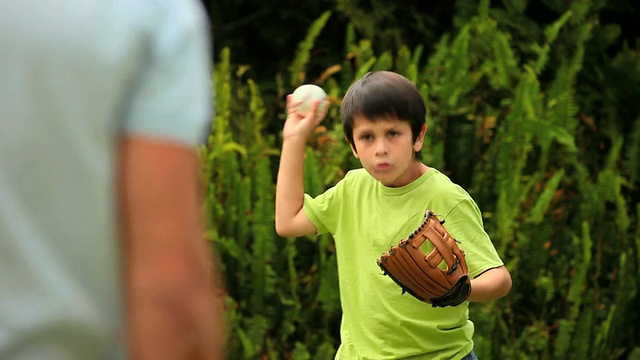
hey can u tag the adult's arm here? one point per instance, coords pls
(172, 311)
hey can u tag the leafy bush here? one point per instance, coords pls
(550, 153)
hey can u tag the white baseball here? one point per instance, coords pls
(306, 95)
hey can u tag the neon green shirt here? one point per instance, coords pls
(366, 219)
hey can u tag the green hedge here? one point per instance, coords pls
(522, 117)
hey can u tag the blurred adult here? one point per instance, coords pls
(102, 106)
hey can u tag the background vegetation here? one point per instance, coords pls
(533, 108)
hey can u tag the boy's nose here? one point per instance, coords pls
(381, 148)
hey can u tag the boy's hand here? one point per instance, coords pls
(300, 125)
(290, 219)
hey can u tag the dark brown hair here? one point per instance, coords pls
(381, 95)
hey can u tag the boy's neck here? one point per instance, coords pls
(421, 168)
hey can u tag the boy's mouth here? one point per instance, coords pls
(382, 166)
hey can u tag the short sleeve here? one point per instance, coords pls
(464, 223)
(324, 210)
(316, 211)
(172, 98)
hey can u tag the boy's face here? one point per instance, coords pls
(386, 150)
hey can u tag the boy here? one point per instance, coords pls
(371, 209)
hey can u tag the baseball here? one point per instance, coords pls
(306, 95)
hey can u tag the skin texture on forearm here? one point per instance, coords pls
(490, 285)
(171, 311)
(290, 184)
(291, 221)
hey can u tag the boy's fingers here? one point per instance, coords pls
(312, 111)
(316, 113)
(325, 109)
(291, 104)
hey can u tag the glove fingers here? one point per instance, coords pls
(419, 274)
(404, 273)
(460, 255)
(420, 296)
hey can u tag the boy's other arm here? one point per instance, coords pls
(291, 221)
(171, 309)
(490, 285)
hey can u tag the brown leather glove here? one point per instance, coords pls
(420, 275)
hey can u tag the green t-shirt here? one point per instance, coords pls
(366, 219)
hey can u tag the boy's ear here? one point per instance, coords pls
(417, 146)
(353, 148)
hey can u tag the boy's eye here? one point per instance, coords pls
(366, 137)
(393, 133)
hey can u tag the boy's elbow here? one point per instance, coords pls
(289, 229)
(282, 229)
(491, 285)
(294, 226)
(507, 283)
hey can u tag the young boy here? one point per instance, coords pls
(371, 209)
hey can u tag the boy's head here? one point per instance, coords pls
(382, 95)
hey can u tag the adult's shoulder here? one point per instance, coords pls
(171, 98)
(178, 14)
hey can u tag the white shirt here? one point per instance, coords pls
(74, 77)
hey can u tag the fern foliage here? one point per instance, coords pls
(520, 114)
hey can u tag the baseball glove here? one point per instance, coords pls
(420, 275)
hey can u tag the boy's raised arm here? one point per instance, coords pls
(291, 221)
